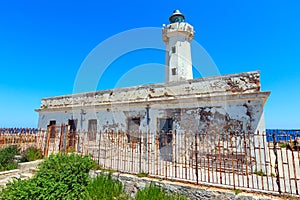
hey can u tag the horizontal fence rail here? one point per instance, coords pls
(237, 160)
(18, 130)
(23, 137)
(281, 135)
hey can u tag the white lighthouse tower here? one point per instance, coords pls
(177, 35)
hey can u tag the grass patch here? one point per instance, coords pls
(104, 187)
(260, 173)
(237, 191)
(142, 174)
(108, 170)
(97, 167)
(283, 145)
(289, 197)
(273, 175)
(71, 150)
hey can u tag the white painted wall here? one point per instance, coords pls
(177, 36)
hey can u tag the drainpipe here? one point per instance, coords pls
(81, 112)
(147, 128)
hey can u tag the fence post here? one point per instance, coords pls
(140, 151)
(99, 147)
(294, 167)
(276, 164)
(196, 157)
(47, 142)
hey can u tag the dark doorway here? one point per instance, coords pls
(133, 134)
(165, 138)
(92, 129)
(72, 123)
(166, 125)
(72, 133)
(52, 122)
(51, 128)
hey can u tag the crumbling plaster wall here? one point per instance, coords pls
(226, 103)
(230, 116)
(231, 84)
(219, 116)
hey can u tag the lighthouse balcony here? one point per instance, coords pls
(182, 27)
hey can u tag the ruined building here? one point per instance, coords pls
(182, 104)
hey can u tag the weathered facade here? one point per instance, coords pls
(225, 103)
(181, 104)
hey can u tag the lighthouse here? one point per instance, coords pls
(177, 35)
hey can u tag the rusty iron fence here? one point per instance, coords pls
(54, 139)
(237, 160)
(23, 137)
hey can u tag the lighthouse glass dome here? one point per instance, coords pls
(175, 19)
(177, 16)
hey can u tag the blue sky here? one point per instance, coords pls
(44, 43)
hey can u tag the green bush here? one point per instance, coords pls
(155, 193)
(66, 176)
(61, 176)
(19, 189)
(10, 166)
(31, 154)
(7, 155)
(104, 187)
